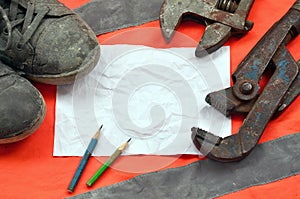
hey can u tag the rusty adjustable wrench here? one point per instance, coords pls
(222, 17)
(244, 96)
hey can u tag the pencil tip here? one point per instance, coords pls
(128, 140)
(96, 136)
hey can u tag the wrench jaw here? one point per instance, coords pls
(222, 101)
(168, 29)
(226, 149)
(227, 103)
(170, 18)
(214, 37)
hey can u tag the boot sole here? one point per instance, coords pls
(68, 78)
(27, 132)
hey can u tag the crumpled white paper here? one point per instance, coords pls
(153, 96)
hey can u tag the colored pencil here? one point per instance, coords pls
(84, 160)
(108, 162)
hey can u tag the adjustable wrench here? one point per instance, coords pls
(222, 18)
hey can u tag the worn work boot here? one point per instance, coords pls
(46, 40)
(22, 107)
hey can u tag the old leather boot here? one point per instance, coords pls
(46, 40)
(22, 107)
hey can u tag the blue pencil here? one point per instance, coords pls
(84, 160)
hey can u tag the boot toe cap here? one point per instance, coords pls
(22, 108)
(66, 47)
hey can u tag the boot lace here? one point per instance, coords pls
(29, 23)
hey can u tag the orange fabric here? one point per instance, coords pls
(28, 169)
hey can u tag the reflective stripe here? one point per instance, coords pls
(106, 16)
(268, 162)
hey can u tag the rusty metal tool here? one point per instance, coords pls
(245, 95)
(222, 18)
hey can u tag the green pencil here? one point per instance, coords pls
(108, 162)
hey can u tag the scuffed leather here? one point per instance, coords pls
(21, 104)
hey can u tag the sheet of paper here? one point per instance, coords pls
(153, 96)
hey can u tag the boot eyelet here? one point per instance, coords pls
(19, 46)
(24, 65)
(5, 32)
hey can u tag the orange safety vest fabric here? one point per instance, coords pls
(28, 169)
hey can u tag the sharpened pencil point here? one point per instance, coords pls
(128, 140)
(96, 136)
